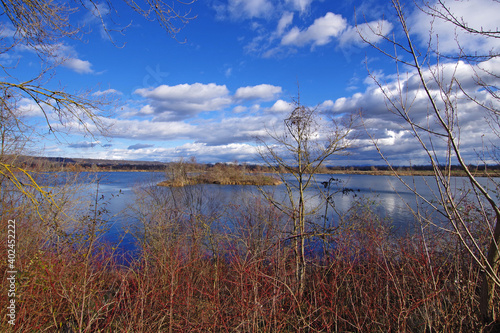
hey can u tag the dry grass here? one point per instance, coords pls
(219, 174)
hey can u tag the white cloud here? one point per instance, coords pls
(372, 32)
(239, 109)
(319, 33)
(262, 91)
(285, 20)
(326, 105)
(107, 92)
(137, 129)
(240, 129)
(185, 100)
(150, 130)
(68, 57)
(477, 14)
(78, 65)
(300, 5)
(63, 54)
(281, 106)
(27, 107)
(392, 132)
(249, 8)
(193, 92)
(147, 110)
(330, 28)
(7, 30)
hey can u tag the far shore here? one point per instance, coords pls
(453, 173)
(56, 164)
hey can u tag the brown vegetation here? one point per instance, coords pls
(183, 174)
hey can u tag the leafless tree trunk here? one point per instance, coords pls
(299, 149)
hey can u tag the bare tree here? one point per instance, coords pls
(439, 131)
(299, 149)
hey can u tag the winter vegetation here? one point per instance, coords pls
(181, 174)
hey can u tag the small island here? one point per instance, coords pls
(180, 174)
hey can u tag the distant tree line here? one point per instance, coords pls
(81, 164)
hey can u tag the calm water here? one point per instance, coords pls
(390, 195)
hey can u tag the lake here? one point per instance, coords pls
(392, 198)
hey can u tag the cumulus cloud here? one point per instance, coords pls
(393, 134)
(330, 26)
(319, 33)
(473, 13)
(185, 100)
(224, 152)
(260, 9)
(327, 29)
(281, 106)
(196, 92)
(147, 110)
(64, 55)
(261, 91)
(239, 109)
(203, 153)
(78, 65)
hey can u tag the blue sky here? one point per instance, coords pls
(232, 72)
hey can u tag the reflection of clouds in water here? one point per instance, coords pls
(389, 195)
(389, 204)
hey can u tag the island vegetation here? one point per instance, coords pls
(183, 174)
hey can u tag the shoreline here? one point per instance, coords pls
(454, 173)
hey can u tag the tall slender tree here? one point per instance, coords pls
(299, 148)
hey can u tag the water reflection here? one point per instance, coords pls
(392, 199)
